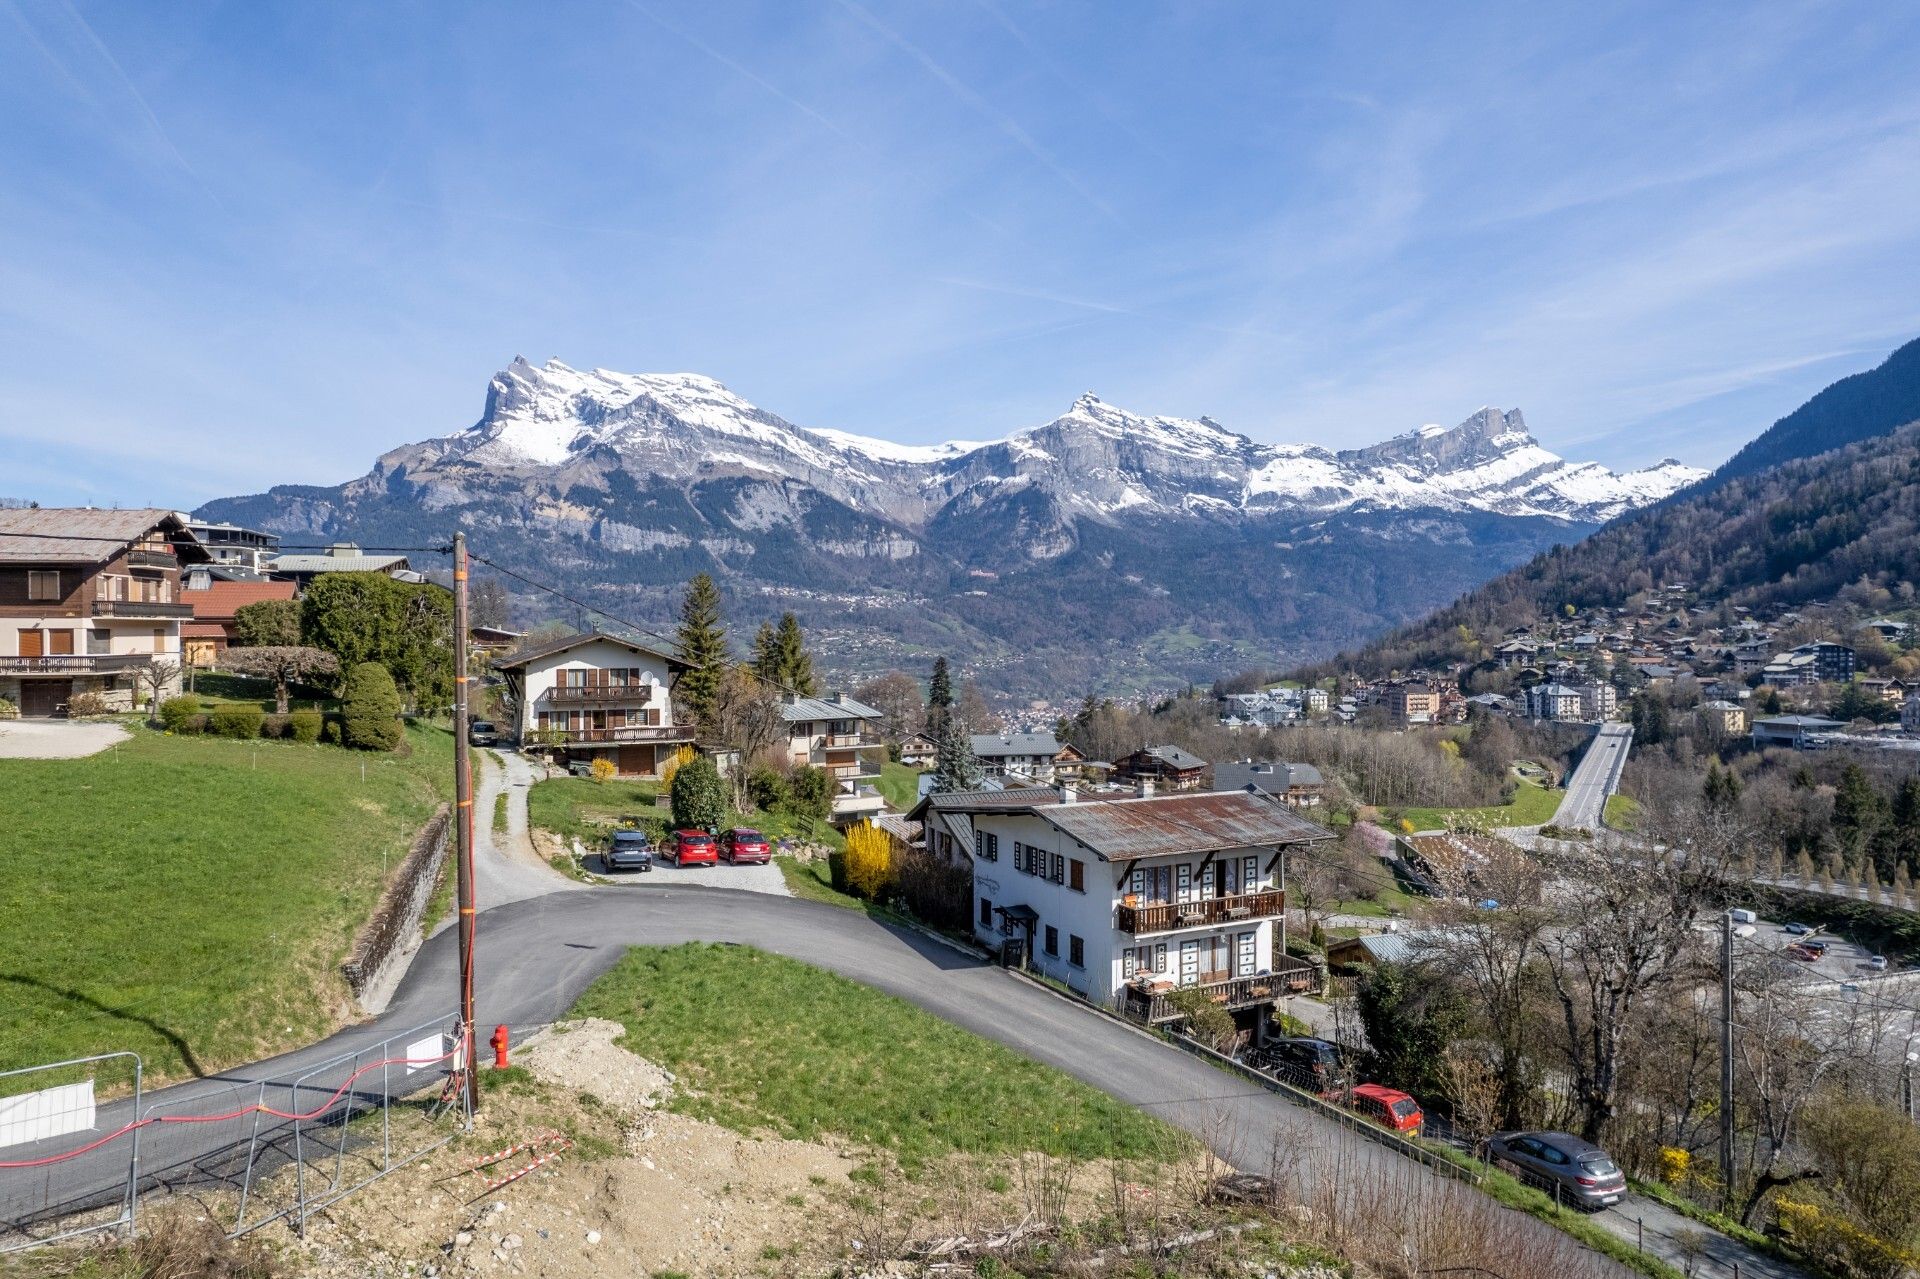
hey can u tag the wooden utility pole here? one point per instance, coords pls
(1726, 1053)
(463, 817)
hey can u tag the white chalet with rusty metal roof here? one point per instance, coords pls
(1128, 900)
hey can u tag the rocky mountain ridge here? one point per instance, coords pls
(1102, 549)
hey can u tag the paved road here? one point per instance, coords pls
(538, 952)
(1595, 777)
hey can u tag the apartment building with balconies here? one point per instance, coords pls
(596, 696)
(89, 599)
(1128, 901)
(835, 734)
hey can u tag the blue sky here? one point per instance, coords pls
(243, 244)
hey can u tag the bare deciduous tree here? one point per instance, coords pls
(285, 665)
(1624, 929)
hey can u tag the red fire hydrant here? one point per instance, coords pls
(499, 1042)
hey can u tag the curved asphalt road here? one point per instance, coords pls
(537, 954)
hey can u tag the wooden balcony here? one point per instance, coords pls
(148, 557)
(75, 664)
(157, 610)
(626, 735)
(1290, 977)
(844, 742)
(601, 695)
(1164, 917)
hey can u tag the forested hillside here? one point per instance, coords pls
(1798, 532)
(1855, 408)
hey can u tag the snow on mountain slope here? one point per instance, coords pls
(1095, 461)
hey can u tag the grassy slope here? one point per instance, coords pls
(770, 1043)
(900, 785)
(1531, 806)
(191, 898)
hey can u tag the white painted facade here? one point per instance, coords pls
(1109, 957)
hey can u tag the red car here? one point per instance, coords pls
(744, 846)
(1388, 1107)
(692, 848)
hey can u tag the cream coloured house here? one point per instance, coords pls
(597, 696)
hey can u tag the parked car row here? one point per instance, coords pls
(1577, 1172)
(630, 849)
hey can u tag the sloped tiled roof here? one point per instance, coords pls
(1000, 745)
(83, 534)
(565, 642)
(803, 710)
(1129, 829)
(220, 600)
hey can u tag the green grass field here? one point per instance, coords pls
(1532, 806)
(1622, 812)
(900, 785)
(768, 1043)
(191, 898)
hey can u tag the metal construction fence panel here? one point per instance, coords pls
(252, 1149)
(50, 1110)
(283, 1147)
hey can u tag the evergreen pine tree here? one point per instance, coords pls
(766, 658)
(792, 662)
(939, 699)
(703, 647)
(955, 767)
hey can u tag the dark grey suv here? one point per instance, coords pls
(1572, 1169)
(629, 850)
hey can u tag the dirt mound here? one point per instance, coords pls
(582, 1056)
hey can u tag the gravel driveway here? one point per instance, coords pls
(752, 879)
(56, 738)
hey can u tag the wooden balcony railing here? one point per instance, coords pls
(74, 664)
(1161, 917)
(844, 741)
(1290, 977)
(601, 694)
(157, 609)
(147, 557)
(628, 734)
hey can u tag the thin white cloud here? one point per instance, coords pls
(1005, 123)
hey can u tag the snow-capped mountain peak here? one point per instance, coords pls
(1096, 460)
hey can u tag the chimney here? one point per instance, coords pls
(1144, 788)
(1068, 795)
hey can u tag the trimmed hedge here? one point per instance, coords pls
(237, 721)
(176, 712)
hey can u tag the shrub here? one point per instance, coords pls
(370, 709)
(699, 797)
(675, 762)
(603, 769)
(304, 726)
(238, 720)
(812, 793)
(869, 861)
(767, 788)
(8, 710)
(88, 704)
(175, 713)
(331, 732)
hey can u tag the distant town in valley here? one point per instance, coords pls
(587, 693)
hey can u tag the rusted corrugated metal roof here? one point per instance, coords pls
(1122, 830)
(79, 534)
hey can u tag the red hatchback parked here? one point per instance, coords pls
(743, 846)
(692, 848)
(1388, 1107)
